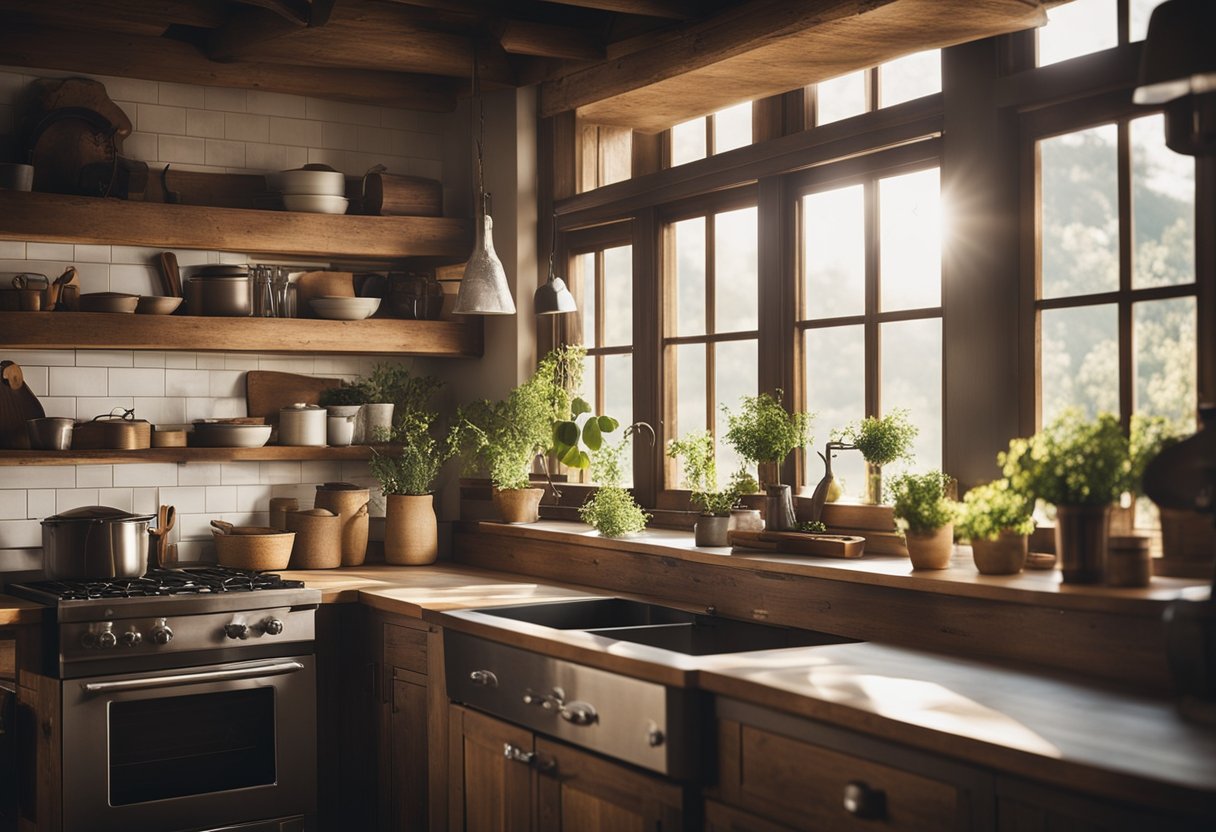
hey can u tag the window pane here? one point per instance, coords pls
(910, 241)
(688, 141)
(618, 403)
(834, 252)
(1164, 345)
(912, 378)
(1080, 212)
(736, 285)
(587, 390)
(690, 389)
(1080, 360)
(909, 77)
(1078, 28)
(1163, 208)
(1141, 10)
(618, 296)
(840, 98)
(836, 394)
(735, 371)
(690, 276)
(584, 267)
(733, 127)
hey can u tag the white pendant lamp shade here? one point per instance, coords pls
(484, 289)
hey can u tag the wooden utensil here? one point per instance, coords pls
(54, 293)
(170, 274)
(798, 543)
(166, 518)
(17, 405)
(267, 391)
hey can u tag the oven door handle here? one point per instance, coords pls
(258, 672)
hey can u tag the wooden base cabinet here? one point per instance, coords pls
(503, 778)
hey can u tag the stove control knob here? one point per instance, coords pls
(272, 627)
(88, 640)
(235, 631)
(130, 638)
(106, 638)
(161, 634)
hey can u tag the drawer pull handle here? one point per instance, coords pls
(864, 802)
(485, 678)
(529, 758)
(579, 713)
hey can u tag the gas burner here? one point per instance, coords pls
(201, 580)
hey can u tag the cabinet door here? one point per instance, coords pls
(489, 790)
(408, 756)
(578, 792)
(1023, 806)
(722, 818)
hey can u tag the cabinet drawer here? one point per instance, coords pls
(405, 647)
(812, 787)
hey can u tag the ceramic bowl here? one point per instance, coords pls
(229, 436)
(345, 309)
(311, 183)
(315, 203)
(108, 302)
(154, 305)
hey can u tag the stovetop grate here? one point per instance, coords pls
(202, 580)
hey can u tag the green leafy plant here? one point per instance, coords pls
(696, 450)
(612, 511)
(1150, 435)
(920, 501)
(992, 508)
(881, 440)
(1072, 461)
(573, 443)
(764, 431)
(810, 527)
(395, 384)
(503, 438)
(348, 395)
(415, 468)
(742, 482)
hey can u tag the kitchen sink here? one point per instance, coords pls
(663, 627)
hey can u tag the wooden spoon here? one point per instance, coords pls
(170, 274)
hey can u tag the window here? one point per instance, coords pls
(904, 79)
(717, 133)
(1082, 27)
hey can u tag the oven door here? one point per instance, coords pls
(192, 748)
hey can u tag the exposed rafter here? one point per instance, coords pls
(521, 37)
(669, 9)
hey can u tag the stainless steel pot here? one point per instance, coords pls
(95, 542)
(222, 296)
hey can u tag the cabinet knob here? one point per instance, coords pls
(579, 713)
(864, 802)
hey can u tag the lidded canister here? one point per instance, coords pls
(350, 503)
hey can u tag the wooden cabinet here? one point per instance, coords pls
(502, 777)
(1022, 806)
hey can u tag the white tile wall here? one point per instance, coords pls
(207, 129)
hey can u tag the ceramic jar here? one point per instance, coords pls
(411, 532)
(318, 539)
(279, 506)
(373, 419)
(711, 530)
(349, 502)
(340, 424)
(302, 425)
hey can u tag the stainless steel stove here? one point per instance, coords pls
(186, 700)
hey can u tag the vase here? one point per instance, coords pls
(779, 508)
(373, 421)
(411, 532)
(711, 530)
(349, 502)
(873, 495)
(1004, 556)
(746, 520)
(518, 505)
(931, 550)
(1081, 537)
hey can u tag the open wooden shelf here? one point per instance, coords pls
(56, 218)
(100, 330)
(269, 453)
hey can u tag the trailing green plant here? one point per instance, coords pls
(573, 443)
(347, 394)
(881, 440)
(612, 511)
(920, 501)
(1150, 435)
(992, 508)
(1072, 461)
(415, 468)
(502, 438)
(764, 431)
(696, 450)
(395, 384)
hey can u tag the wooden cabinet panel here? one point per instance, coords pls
(722, 818)
(408, 756)
(405, 647)
(1022, 806)
(489, 791)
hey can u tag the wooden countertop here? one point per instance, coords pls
(15, 611)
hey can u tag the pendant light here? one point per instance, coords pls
(552, 297)
(483, 289)
(1178, 69)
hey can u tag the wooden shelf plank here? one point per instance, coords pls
(99, 330)
(79, 219)
(270, 453)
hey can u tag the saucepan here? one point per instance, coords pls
(95, 542)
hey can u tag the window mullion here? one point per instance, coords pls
(710, 305)
(872, 299)
(1126, 234)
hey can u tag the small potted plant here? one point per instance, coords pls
(926, 517)
(342, 405)
(996, 519)
(696, 452)
(1081, 467)
(764, 432)
(882, 441)
(742, 516)
(612, 511)
(376, 418)
(407, 479)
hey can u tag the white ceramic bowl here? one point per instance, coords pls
(312, 182)
(230, 436)
(345, 309)
(315, 203)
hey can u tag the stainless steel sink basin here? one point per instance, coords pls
(664, 627)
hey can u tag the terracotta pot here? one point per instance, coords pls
(411, 533)
(711, 530)
(1004, 556)
(518, 505)
(318, 539)
(1081, 537)
(350, 504)
(746, 520)
(931, 550)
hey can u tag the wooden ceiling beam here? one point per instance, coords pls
(133, 16)
(295, 12)
(767, 47)
(544, 40)
(248, 30)
(667, 9)
(164, 59)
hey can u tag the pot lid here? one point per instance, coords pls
(96, 513)
(300, 406)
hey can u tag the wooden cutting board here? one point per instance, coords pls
(267, 391)
(17, 404)
(799, 543)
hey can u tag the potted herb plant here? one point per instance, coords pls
(696, 452)
(376, 417)
(882, 441)
(742, 516)
(342, 405)
(763, 431)
(407, 479)
(996, 519)
(503, 438)
(1081, 467)
(612, 511)
(926, 517)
